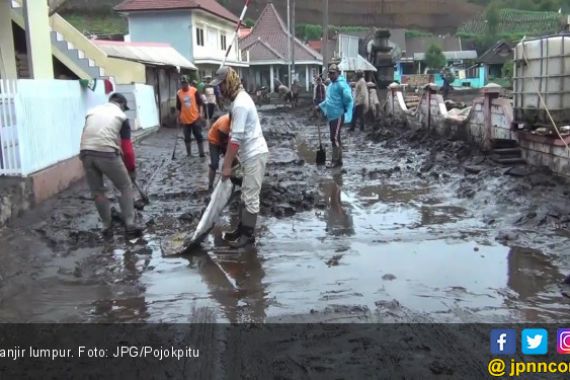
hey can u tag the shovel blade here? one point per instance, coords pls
(321, 157)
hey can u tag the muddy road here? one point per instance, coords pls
(412, 229)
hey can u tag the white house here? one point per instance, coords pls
(201, 30)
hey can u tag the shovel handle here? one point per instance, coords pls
(319, 130)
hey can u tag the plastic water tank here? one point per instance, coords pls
(542, 65)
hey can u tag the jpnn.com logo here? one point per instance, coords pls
(504, 342)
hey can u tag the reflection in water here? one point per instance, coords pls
(339, 219)
(531, 274)
(235, 280)
(134, 308)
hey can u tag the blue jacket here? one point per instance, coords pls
(338, 101)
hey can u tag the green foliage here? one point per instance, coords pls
(417, 33)
(97, 23)
(249, 22)
(308, 31)
(528, 5)
(508, 70)
(315, 31)
(434, 57)
(492, 19)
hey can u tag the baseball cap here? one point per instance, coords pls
(220, 76)
(119, 98)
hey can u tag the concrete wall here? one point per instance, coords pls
(490, 118)
(174, 28)
(38, 39)
(8, 69)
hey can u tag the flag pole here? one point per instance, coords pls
(239, 24)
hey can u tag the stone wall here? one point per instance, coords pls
(490, 118)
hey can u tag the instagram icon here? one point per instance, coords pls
(563, 341)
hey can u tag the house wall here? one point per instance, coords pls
(174, 28)
(8, 70)
(213, 29)
(143, 113)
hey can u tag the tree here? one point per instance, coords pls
(249, 23)
(435, 58)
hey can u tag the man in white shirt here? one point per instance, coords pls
(247, 139)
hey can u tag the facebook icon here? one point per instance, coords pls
(503, 342)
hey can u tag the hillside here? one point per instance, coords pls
(430, 15)
(516, 22)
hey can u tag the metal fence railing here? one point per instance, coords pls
(9, 148)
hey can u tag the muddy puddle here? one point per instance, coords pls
(395, 226)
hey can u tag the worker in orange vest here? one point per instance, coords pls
(189, 104)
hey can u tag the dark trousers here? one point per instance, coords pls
(358, 115)
(210, 109)
(193, 129)
(335, 127)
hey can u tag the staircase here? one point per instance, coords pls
(72, 56)
(507, 152)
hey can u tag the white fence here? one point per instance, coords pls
(9, 148)
(41, 122)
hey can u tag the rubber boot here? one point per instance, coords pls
(211, 177)
(133, 231)
(247, 236)
(336, 159)
(189, 149)
(201, 149)
(235, 234)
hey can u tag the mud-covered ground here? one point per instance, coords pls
(412, 229)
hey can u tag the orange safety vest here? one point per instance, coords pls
(222, 125)
(189, 111)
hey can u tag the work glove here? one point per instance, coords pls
(133, 175)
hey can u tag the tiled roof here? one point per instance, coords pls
(272, 32)
(315, 45)
(499, 53)
(210, 6)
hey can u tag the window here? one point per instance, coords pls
(223, 42)
(200, 36)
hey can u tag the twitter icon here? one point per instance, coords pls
(534, 342)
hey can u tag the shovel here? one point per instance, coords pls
(321, 154)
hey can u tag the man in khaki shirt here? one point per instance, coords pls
(361, 99)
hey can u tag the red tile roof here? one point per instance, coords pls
(244, 32)
(268, 40)
(210, 6)
(315, 45)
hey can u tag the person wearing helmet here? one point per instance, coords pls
(106, 150)
(337, 108)
(246, 138)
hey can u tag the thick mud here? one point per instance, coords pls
(412, 229)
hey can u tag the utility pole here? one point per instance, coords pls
(325, 42)
(292, 41)
(289, 42)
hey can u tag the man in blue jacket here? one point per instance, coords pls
(337, 108)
